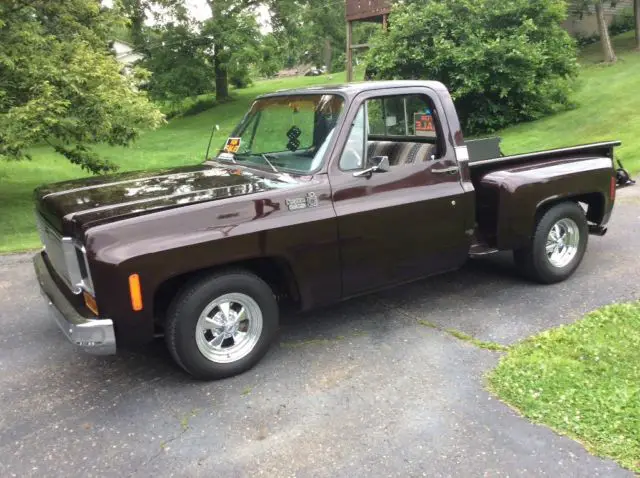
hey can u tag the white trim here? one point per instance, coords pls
(462, 153)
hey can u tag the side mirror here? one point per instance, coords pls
(380, 164)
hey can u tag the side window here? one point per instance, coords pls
(404, 128)
(408, 115)
(353, 153)
(376, 116)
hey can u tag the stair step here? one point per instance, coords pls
(479, 250)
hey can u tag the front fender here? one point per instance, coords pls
(186, 240)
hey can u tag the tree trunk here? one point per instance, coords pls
(219, 66)
(636, 14)
(328, 54)
(137, 22)
(605, 39)
(222, 80)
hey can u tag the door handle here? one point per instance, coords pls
(451, 170)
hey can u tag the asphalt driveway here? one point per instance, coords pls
(360, 389)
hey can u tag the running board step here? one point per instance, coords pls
(479, 250)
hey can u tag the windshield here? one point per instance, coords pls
(285, 132)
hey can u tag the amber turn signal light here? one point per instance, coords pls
(90, 302)
(135, 292)
(612, 189)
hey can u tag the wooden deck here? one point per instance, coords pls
(367, 9)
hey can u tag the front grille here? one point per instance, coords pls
(68, 258)
(52, 242)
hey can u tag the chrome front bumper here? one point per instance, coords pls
(95, 336)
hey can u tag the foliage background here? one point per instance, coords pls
(504, 62)
(61, 86)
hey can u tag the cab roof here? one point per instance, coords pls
(352, 89)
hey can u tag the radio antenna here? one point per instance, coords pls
(213, 132)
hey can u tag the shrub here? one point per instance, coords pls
(187, 106)
(504, 62)
(624, 22)
(584, 40)
(240, 75)
(200, 105)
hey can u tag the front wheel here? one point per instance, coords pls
(558, 245)
(221, 325)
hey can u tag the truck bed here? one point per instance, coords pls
(507, 186)
(478, 160)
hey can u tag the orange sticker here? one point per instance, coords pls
(424, 123)
(232, 146)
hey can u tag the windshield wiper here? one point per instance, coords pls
(234, 158)
(231, 158)
(264, 156)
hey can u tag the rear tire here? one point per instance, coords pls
(558, 245)
(221, 325)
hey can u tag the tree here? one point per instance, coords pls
(325, 26)
(180, 51)
(137, 12)
(504, 62)
(272, 56)
(603, 27)
(231, 28)
(605, 38)
(60, 85)
(177, 58)
(313, 29)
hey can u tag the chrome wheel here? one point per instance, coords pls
(562, 242)
(229, 328)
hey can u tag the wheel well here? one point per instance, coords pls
(274, 271)
(592, 202)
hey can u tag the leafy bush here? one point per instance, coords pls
(504, 62)
(624, 22)
(584, 40)
(338, 61)
(200, 105)
(188, 106)
(240, 75)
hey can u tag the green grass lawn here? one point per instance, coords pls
(582, 380)
(607, 107)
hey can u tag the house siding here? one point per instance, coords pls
(125, 53)
(586, 24)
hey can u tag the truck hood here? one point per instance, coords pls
(76, 205)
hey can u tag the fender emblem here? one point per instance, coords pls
(310, 200)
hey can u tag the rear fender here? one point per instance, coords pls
(524, 193)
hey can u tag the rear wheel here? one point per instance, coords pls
(558, 245)
(221, 325)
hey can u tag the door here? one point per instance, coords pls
(410, 221)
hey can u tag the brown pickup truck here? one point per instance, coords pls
(319, 195)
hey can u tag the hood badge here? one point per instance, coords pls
(310, 200)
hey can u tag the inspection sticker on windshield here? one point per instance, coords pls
(232, 145)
